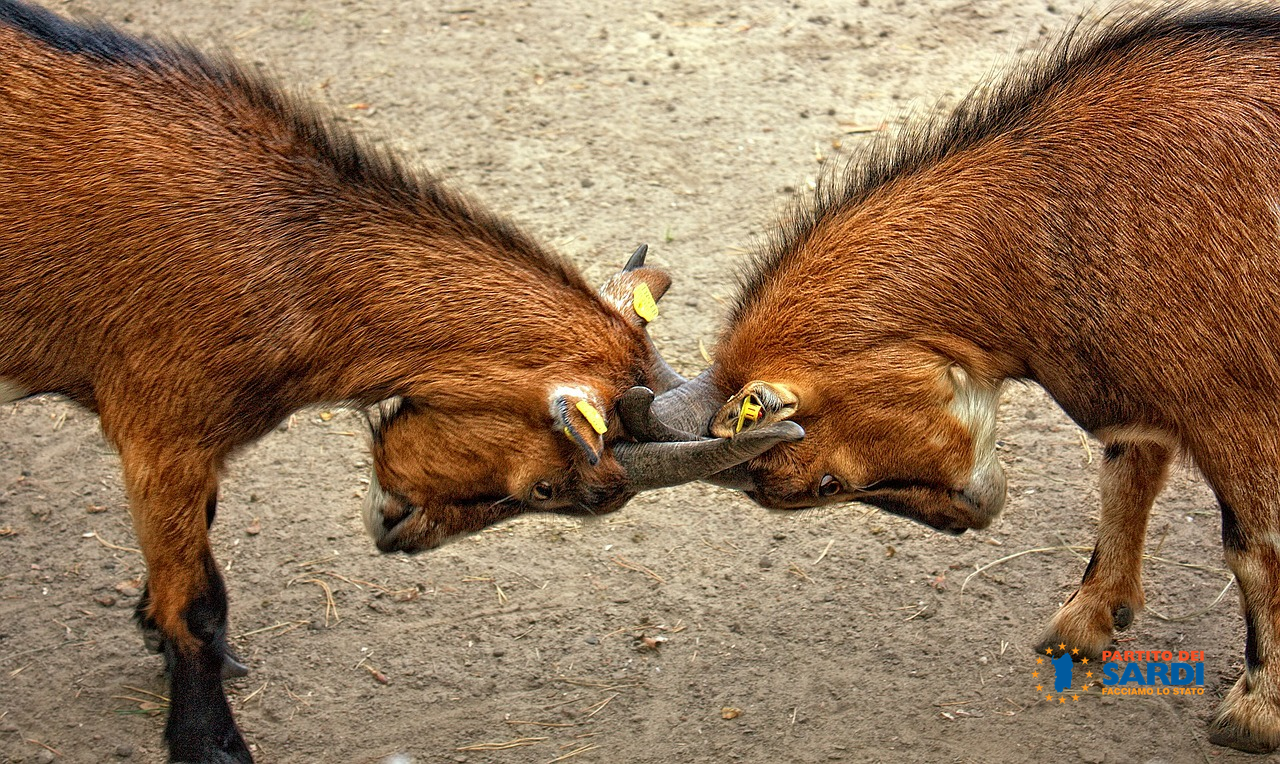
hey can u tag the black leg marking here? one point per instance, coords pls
(1233, 540)
(1252, 661)
(1114, 451)
(154, 641)
(1091, 568)
(210, 509)
(200, 726)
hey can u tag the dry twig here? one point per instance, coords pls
(623, 562)
(329, 605)
(1198, 613)
(109, 545)
(583, 749)
(519, 742)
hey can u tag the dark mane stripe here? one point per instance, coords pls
(96, 39)
(991, 110)
(351, 159)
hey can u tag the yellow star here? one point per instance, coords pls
(1084, 660)
(1062, 646)
(1039, 687)
(1048, 697)
(1039, 660)
(1062, 699)
(1075, 697)
(1035, 673)
(1089, 674)
(1084, 688)
(1075, 651)
(1048, 651)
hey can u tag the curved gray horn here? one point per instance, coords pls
(690, 406)
(659, 465)
(635, 410)
(664, 377)
(736, 477)
(637, 258)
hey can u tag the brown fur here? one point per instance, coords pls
(1106, 225)
(193, 256)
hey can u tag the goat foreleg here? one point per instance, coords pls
(151, 637)
(170, 497)
(1110, 594)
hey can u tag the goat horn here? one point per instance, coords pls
(659, 465)
(670, 455)
(637, 258)
(688, 407)
(736, 478)
(635, 410)
(664, 377)
(683, 414)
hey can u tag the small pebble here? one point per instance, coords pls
(124, 751)
(105, 600)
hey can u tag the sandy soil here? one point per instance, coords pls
(841, 635)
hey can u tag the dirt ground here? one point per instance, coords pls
(837, 635)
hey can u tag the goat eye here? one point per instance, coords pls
(541, 491)
(829, 486)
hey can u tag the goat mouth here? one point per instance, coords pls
(396, 540)
(389, 540)
(896, 505)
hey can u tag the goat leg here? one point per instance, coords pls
(1110, 594)
(186, 601)
(1249, 717)
(233, 665)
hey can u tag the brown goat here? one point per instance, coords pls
(193, 257)
(1106, 225)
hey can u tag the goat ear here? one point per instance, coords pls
(636, 289)
(573, 414)
(757, 404)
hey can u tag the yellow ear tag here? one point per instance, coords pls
(593, 417)
(642, 300)
(750, 411)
